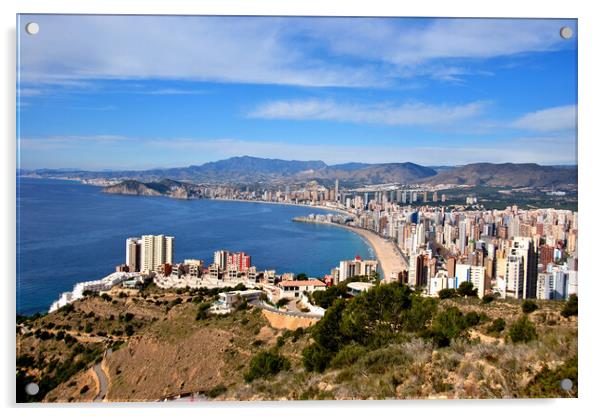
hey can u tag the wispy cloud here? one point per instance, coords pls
(316, 52)
(407, 114)
(549, 119)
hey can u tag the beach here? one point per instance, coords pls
(388, 255)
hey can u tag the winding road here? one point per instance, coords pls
(103, 379)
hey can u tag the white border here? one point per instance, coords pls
(589, 112)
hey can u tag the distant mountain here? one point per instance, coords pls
(248, 170)
(372, 174)
(506, 174)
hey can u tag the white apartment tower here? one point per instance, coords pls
(514, 276)
(156, 250)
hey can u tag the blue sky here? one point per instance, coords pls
(132, 92)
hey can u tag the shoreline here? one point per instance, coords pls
(387, 255)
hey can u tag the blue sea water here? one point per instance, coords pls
(69, 232)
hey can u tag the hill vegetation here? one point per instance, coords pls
(389, 342)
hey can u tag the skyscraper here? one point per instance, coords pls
(133, 252)
(156, 250)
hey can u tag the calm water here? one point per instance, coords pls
(69, 232)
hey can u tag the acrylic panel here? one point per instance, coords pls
(300, 208)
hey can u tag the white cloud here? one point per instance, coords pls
(549, 120)
(292, 51)
(406, 114)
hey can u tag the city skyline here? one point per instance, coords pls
(437, 92)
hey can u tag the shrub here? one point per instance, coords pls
(348, 355)
(522, 330)
(497, 326)
(529, 306)
(216, 391)
(570, 309)
(84, 389)
(88, 328)
(106, 297)
(282, 302)
(266, 364)
(128, 317)
(488, 299)
(202, 311)
(472, 318)
(316, 358)
(467, 289)
(447, 293)
(447, 325)
(129, 330)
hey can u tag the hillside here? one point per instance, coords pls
(165, 187)
(358, 174)
(160, 348)
(506, 174)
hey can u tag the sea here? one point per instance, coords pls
(69, 232)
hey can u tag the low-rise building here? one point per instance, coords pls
(294, 288)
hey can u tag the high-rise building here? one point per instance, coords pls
(133, 252)
(514, 278)
(479, 280)
(240, 262)
(156, 250)
(523, 246)
(336, 190)
(220, 258)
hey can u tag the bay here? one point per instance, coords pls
(69, 232)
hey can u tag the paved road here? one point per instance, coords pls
(102, 379)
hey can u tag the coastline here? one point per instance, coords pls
(387, 255)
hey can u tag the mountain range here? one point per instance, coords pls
(247, 169)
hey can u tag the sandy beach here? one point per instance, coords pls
(388, 256)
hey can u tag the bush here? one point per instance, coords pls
(529, 306)
(316, 358)
(282, 302)
(472, 318)
(106, 297)
(447, 293)
(447, 325)
(497, 326)
(84, 389)
(129, 330)
(348, 355)
(202, 311)
(570, 309)
(266, 364)
(128, 317)
(466, 289)
(522, 330)
(488, 299)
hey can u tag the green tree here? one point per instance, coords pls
(529, 306)
(447, 293)
(522, 330)
(466, 289)
(266, 364)
(447, 325)
(570, 308)
(282, 302)
(301, 276)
